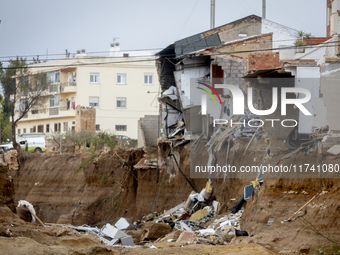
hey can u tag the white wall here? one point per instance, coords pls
(138, 103)
(308, 78)
(183, 79)
(108, 115)
(282, 35)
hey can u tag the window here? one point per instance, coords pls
(31, 130)
(57, 127)
(41, 129)
(47, 128)
(121, 102)
(54, 100)
(73, 128)
(65, 126)
(97, 127)
(24, 130)
(121, 78)
(94, 101)
(148, 79)
(23, 104)
(19, 131)
(94, 77)
(57, 76)
(121, 127)
(53, 77)
(34, 129)
(73, 122)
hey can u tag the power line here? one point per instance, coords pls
(293, 15)
(172, 56)
(187, 19)
(122, 51)
(78, 64)
(93, 52)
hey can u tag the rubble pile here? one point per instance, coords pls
(194, 221)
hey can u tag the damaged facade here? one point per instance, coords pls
(249, 53)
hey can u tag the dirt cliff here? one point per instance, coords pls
(111, 187)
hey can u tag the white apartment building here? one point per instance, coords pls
(121, 88)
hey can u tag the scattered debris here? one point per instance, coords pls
(334, 150)
(270, 221)
(290, 218)
(123, 224)
(29, 207)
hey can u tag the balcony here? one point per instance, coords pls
(63, 87)
(54, 111)
(62, 111)
(25, 116)
(68, 87)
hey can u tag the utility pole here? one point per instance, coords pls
(263, 9)
(212, 14)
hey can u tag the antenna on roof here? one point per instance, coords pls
(212, 14)
(114, 42)
(263, 9)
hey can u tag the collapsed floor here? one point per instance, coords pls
(66, 189)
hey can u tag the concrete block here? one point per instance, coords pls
(127, 241)
(335, 150)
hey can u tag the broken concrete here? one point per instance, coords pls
(335, 150)
(11, 158)
(153, 231)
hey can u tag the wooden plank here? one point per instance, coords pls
(245, 151)
(36, 217)
(290, 218)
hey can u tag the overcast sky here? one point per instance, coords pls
(33, 27)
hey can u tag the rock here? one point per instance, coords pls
(153, 230)
(304, 249)
(2, 160)
(11, 158)
(136, 235)
(335, 150)
(186, 237)
(24, 214)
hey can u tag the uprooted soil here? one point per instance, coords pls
(68, 189)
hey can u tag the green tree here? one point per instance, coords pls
(22, 90)
(5, 125)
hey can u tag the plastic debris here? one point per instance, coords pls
(24, 203)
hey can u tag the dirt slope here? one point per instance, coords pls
(112, 188)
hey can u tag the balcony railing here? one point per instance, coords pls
(34, 112)
(54, 111)
(60, 87)
(25, 116)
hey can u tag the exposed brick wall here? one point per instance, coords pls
(241, 48)
(329, 3)
(261, 61)
(165, 71)
(315, 40)
(85, 119)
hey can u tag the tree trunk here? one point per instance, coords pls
(15, 144)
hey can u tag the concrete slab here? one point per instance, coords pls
(335, 150)
(127, 241)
